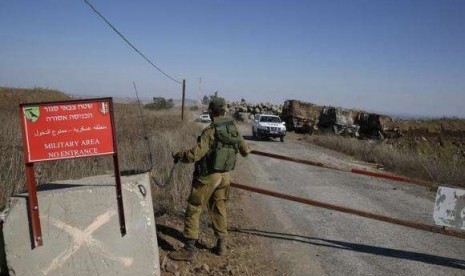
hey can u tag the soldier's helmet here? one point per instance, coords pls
(217, 104)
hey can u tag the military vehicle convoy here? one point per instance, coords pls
(308, 118)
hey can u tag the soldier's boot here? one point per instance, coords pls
(185, 254)
(220, 248)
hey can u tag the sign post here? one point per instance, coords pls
(64, 130)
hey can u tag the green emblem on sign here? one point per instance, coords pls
(32, 113)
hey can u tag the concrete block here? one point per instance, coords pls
(80, 229)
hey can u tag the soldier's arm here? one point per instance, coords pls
(244, 149)
(200, 149)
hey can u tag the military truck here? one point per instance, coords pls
(339, 121)
(300, 116)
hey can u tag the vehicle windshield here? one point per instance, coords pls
(270, 119)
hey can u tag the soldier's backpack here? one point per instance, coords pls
(226, 147)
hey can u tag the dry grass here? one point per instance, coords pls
(432, 126)
(164, 131)
(436, 164)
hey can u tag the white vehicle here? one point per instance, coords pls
(205, 118)
(265, 125)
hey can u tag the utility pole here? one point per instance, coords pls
(183, 98)
(199, 93)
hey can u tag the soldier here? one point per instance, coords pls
(214, 156)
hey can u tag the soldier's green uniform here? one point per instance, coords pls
(209, 186)
(214, 156)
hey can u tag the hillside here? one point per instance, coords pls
(10, 98)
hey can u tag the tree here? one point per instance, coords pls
(160, 103)
(207, 99)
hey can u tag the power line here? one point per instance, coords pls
(129, 43)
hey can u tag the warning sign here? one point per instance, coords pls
(70, 129)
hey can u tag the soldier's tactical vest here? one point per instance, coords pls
(222, 155)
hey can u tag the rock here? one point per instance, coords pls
(197, 268)
(163, 263)
(206, 268)
(235, 108)
(171, 266)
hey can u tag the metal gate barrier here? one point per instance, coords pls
(411, 224)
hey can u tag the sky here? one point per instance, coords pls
(403, 57)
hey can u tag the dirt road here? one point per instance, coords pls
(307, 240)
